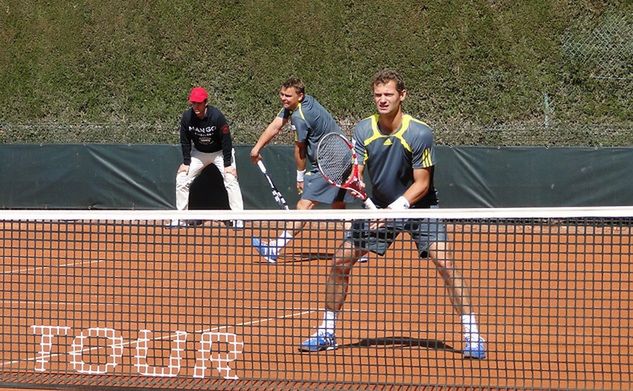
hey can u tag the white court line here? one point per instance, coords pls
(130, 343)
(58, 303)
(34, 269)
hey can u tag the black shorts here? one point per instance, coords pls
(423, 231)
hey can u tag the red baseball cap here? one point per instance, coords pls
(198, 94)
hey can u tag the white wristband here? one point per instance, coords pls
(300, 174)
(399, 204)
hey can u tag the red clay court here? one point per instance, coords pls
(134, 304)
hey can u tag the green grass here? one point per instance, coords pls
(128, 65)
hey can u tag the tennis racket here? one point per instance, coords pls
(279, 198)
(336, 160)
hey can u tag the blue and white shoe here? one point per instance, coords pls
(475, 349)
(268, 252)
(319, 342)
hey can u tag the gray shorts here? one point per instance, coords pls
(316, 188)
(423, 231)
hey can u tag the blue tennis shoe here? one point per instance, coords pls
(475, 349)
(268, 252)
(319, 342)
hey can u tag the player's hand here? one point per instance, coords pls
(183, 168)
(401, 203)
(359, 194)
(375, 224)
(230, 170)
(255, 156)
(300, 188)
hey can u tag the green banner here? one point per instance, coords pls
(113, 176)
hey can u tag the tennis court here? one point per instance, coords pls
(127, 302)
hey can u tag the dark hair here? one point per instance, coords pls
(386, 75)
(296, 83)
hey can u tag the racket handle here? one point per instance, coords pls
(261, 166)
(369, 204)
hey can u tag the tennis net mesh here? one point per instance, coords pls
(121, 299)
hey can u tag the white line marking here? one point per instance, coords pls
(170, 336)
(34, 269)
(43, 303)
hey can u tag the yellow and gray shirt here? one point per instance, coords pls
(389, 160)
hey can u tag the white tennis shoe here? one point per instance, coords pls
(176, 224)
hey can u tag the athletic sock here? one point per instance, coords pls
(282, 240)
(470, 326)
(329, 323)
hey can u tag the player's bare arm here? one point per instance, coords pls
(361, 170)
(300, 155)
(272, 130)
(419, 187)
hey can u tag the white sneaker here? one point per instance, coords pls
(176, 224)
(363, 259)
(237, 224)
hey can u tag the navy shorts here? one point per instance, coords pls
(423, 231)
(316, 188)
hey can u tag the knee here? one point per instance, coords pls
(341, 267)
(338, 205)
(305, 204)
(182, 180)
(230, 179)
(344, 259)
(446, 268)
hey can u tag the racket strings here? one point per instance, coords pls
(335, 159)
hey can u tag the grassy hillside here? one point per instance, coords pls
(119, 71)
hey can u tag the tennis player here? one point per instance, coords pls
(206, 128)
(309, 121)
(399, 154)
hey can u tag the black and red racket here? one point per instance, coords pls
(336, 160)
